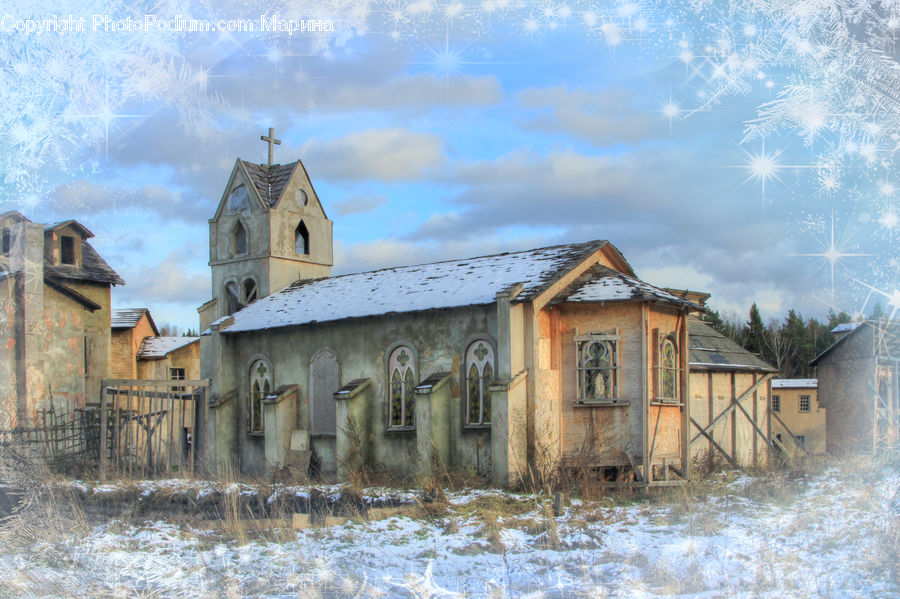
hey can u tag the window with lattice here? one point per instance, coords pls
(804, 403)
(479, 375)
(260, 387)
(668, 369)
(597, 369)
(402, 376)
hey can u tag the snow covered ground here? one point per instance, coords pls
(835, 534)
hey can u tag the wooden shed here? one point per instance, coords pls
(730, 399)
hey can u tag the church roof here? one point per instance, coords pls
(160, 347)
(269, 181)
(127, 318)
(603, 284)
(93, 268)
(449, 284)
(711, 350)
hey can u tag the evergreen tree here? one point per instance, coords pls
(756, 331)
(877, 311)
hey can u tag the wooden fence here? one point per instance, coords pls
(150, 426)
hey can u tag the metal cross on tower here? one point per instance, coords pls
(272, 143)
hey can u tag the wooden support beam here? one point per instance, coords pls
(725, 413)
(714, 444)
(790, 434)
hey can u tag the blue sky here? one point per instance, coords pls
(719, 146)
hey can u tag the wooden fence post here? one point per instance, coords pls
(102, 436)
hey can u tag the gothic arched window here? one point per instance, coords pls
(232, 297)
(260, 387)
(238, 239)
(301, 239)
(596, 370)
(668, 374)
(250, 291)
(479, 375)
(402, 377)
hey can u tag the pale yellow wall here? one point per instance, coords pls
(809, 424)
(125, 345)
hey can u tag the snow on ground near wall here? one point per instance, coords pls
(825, 536)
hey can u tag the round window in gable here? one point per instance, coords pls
(238, 201)
(301, 197)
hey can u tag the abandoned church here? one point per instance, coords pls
(554, 355)
(495, 364)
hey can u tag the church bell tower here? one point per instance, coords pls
(268, 231)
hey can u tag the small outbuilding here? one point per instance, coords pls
(858, 387)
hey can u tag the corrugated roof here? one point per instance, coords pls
(160, 347)
(603, 284)
(93, 268)
(795, 383)
(454, 283)
(269, 181)
(711, 350)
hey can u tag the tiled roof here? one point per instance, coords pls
(93, 268)
(450, 284)
(711, 350)
(603, 284)
(160, 347)
(127, 318)
(269, 180)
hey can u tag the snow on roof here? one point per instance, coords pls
(795, 383)
(160, 347)
(126, 318)
(608, 285)
(450, 284)
(846, 327)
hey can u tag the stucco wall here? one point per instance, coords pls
(438, 338)
(846, 378)
(811, 425)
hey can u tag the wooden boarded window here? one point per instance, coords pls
(479, 375)
(804, 403)
(324, 381)
(67, 249)
(597, 369)
(250, 292)
(260, 387)
(232, 298)
(402, 377)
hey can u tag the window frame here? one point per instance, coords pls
(471, 359)
(776, 403)
(611, 340)
(65, 240)
(408, 381)
(177, 374)
(808, 399)
(6, 241)
(261, 384)
(674, 371)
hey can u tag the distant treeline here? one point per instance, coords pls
(788, 345)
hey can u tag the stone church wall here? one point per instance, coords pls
(438, 339)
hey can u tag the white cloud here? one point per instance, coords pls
(391, 154)
(607, 117)
(359, 203)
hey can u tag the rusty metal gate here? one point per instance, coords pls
(149, 426)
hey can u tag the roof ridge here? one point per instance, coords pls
(386, 268)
